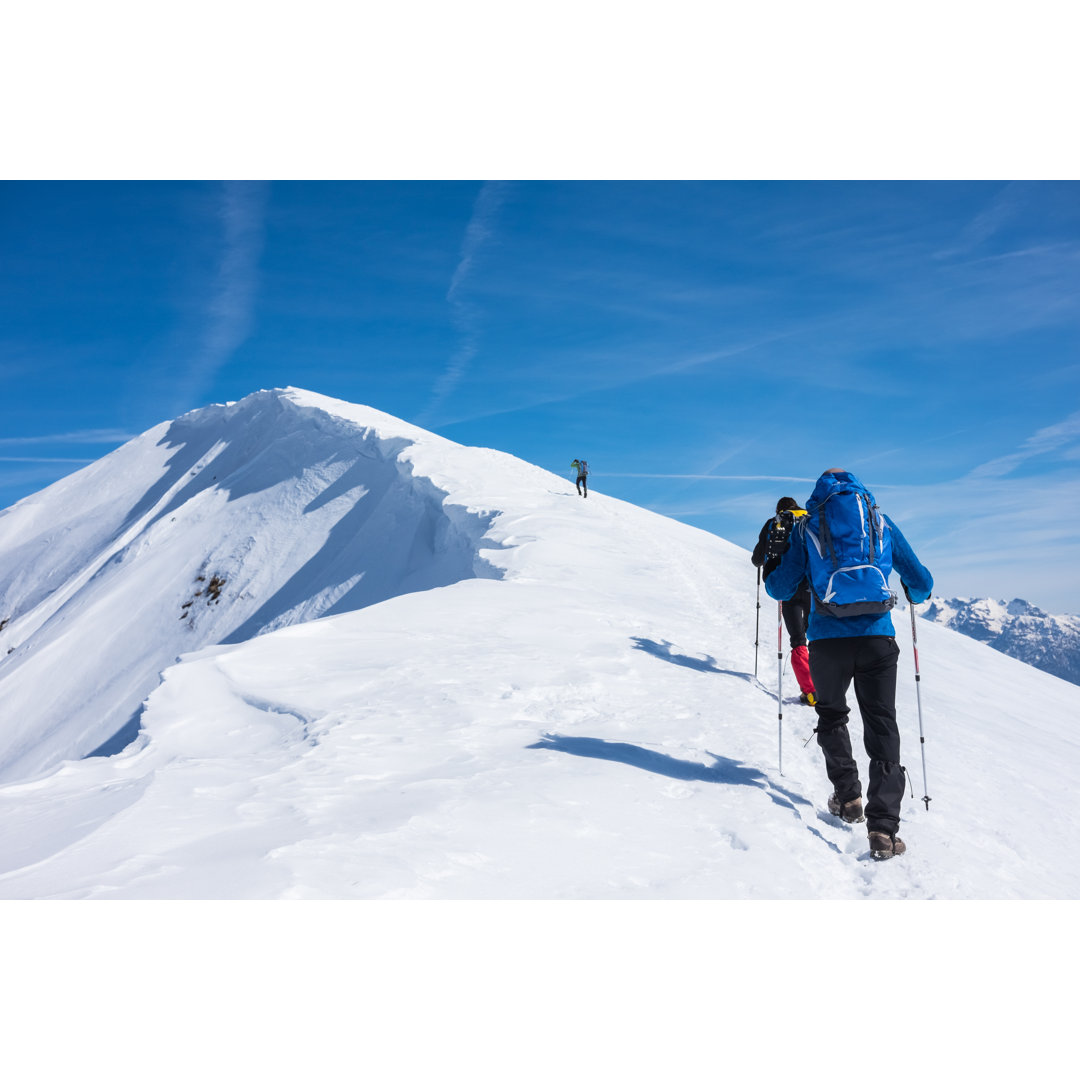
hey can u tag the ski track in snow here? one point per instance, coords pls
(581, 721)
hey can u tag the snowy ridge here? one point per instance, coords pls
(566, 709)
(1019, 629)
(227, 523)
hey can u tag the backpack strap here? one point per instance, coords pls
(871, 526)
(825, 537)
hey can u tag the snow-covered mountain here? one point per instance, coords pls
(1049, 642)
(227, 523)
(340, 656)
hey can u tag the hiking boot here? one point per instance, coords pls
(851, 811)
(884, 846)
(808, 699)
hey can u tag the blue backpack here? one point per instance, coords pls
(848, 548)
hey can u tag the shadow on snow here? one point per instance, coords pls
(664, 650)
(724, 771)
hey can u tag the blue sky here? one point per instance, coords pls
(708, 347)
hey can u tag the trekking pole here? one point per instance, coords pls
(757, 620)
(918, 698)
(780, 682)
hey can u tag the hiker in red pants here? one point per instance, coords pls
(772, 542)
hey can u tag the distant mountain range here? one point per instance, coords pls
(1016, 628)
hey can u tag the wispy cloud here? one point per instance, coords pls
(987, 223)
(48, 460)
(466, 316)
(94, 437)
(1065, 253)
(1060, 438)
(230, 311)
(581, 373)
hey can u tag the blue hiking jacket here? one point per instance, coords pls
(783, 582)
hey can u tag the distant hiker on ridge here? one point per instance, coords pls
(581, 467)
(848, 548)
(772, 541)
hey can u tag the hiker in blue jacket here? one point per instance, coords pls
(581, 470)
(852, 639)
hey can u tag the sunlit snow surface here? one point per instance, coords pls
(460, 680)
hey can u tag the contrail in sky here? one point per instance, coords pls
(466, 317)
(1062, 437)
(49, 460)
(95, 435)
(230, 311)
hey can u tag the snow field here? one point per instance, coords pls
(577, 719)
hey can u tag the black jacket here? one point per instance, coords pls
(802, 593)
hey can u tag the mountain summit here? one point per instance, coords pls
(229, 522)
(331, 654)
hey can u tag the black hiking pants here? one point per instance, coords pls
(796, 616)
(869, 662)
(583, 483)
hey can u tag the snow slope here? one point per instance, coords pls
(567, 710)
(226, 523)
